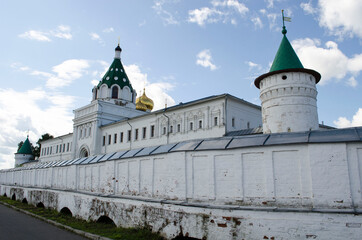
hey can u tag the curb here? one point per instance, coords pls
(79, 232)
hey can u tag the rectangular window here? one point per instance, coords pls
(164, 131)
(248, 125)
(80, 134)
(51, 150)
(56, 150)
(47, 150)
(115, 138)
(178, 127)
(171, 129)
(129, 135)
(136, 134)
(109, 139)
(191, 126)
(215, 121)
(144, 130)
(152, 131)
(200, 124)
(90, 131)
(121, 137)
(104, 140)
(64, 147)
(233, 122)
(68, 147)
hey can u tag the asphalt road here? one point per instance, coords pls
(15, 225)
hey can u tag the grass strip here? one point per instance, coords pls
(102, 229)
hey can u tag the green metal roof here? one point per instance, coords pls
(286, 58)
(25, 148)
(116, 74)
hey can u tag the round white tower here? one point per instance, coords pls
(288, 93)
(24, 154)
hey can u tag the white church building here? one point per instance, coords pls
(115, 120)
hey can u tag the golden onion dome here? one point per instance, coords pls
(145, 100)
(140, 105)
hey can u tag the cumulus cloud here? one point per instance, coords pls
(253, 65)
(223, 11)
(343, 122)
(27, 112)
(61, 31)
(257, 22)
(341, 17)
(329, 60)
(167, 17)
(62, 75)
(308, 8)
(156, 91)
(95, 37)
(204, 59)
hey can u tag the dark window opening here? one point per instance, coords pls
(152, 130)
(121, 137)
(104, 140)
(129, 137)
(109, 139)
(115, 92)
(144, 130)
(115, 138)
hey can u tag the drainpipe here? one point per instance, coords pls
(225, 113)
(168, 127)
(130, 141)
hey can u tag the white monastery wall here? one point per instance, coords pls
(297, 176)
(294, 191)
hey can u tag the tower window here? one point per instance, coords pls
(115, 92)
(284, 77)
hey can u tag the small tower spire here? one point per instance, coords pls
(118, 51)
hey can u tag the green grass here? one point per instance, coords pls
(102, 229)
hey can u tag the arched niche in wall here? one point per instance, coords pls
(84, 151)
(103, 91)
(126, 94)
(115, 91)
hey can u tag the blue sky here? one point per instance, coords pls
(52, 52)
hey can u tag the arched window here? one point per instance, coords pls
(115, 92)
(126, 94)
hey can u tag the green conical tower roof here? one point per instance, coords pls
(116, 73)
(26, 147)
(286, 58)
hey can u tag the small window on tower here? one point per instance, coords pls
(233, 122)
(115, 92)
(215, 121)
(284, 77)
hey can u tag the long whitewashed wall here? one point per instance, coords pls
(297, 176)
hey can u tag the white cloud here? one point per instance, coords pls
(352, 82)
(270, 3)
(94, 82)
(329, 61)
(156, 91)
(220, 11)
(204, 59)
(166, 16)
(27, 112)
(253, 65)
(95, 37)
(343, 122)
(308, 8)
(341, 18)
(63, 74)
(35, 35)
(204, 15)
(257, 22)
(108, 30)
(272, 17)
(61, 31)
(234, 4)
